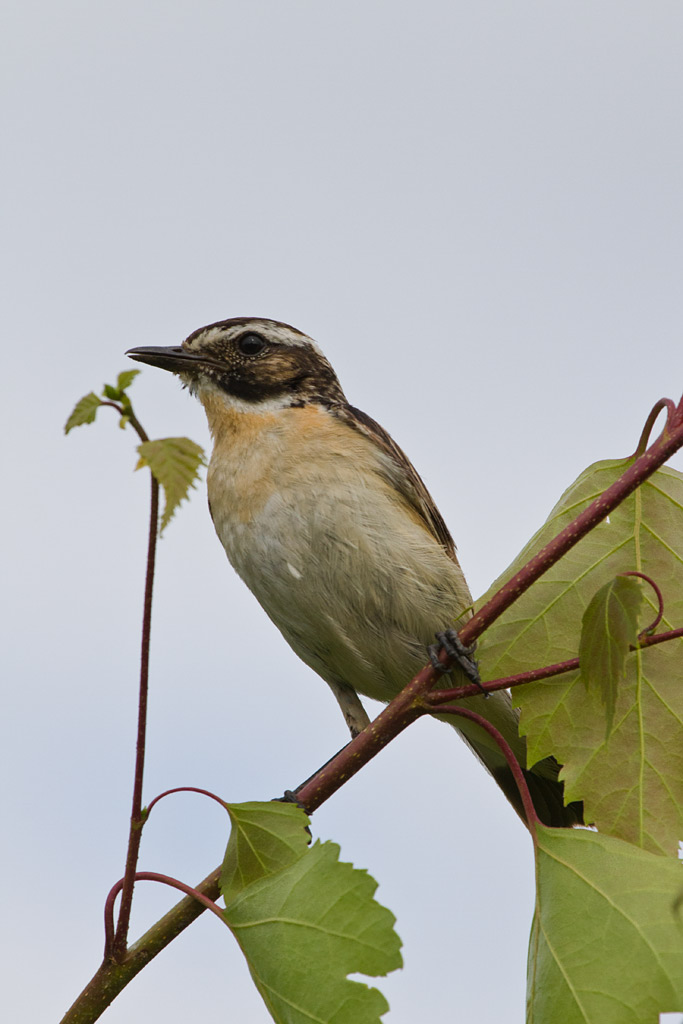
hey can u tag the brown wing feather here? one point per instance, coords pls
(407, 479)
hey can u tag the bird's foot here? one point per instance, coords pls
(288, 797)
(450, 642)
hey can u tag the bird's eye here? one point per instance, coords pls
(251, 344)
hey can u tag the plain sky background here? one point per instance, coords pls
(477, 210)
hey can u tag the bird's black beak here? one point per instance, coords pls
(171, 357)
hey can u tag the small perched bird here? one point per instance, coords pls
(331, 528)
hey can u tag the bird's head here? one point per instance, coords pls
(253, 363)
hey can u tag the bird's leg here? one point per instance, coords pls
(355, 715)
(451, 643)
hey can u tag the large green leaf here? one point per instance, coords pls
(632, 782)
(607, 937)
(304, 921)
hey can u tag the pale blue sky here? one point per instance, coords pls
(476, 209)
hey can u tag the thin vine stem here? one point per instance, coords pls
(663, 403)
(183, 789)
(513, 764)
(660, 601)
(437, 697)
(116, 947)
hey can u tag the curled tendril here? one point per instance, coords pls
(150, 876)
(660, 601)
(663, 403)
(513, 764)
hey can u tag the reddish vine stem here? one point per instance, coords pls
(117, 948)
(660, 601)
(660, 638)
(514, 765)
(131, 417)
(436, 697)
(182, 789)
(663, 403)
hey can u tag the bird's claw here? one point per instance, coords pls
(288, 797)
(450, 642)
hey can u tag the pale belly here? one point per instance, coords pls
(356, 587)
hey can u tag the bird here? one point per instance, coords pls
(328, 523)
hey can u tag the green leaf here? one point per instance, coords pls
(304, 921)
(631, 782)
(607, 937)
(609, 627)
(125, 379)
(111, 392)
(175, 463)
(83, 412)
(264, 839)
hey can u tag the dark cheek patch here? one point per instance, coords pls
(298, 374)
(244, 386)
(270, 376)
